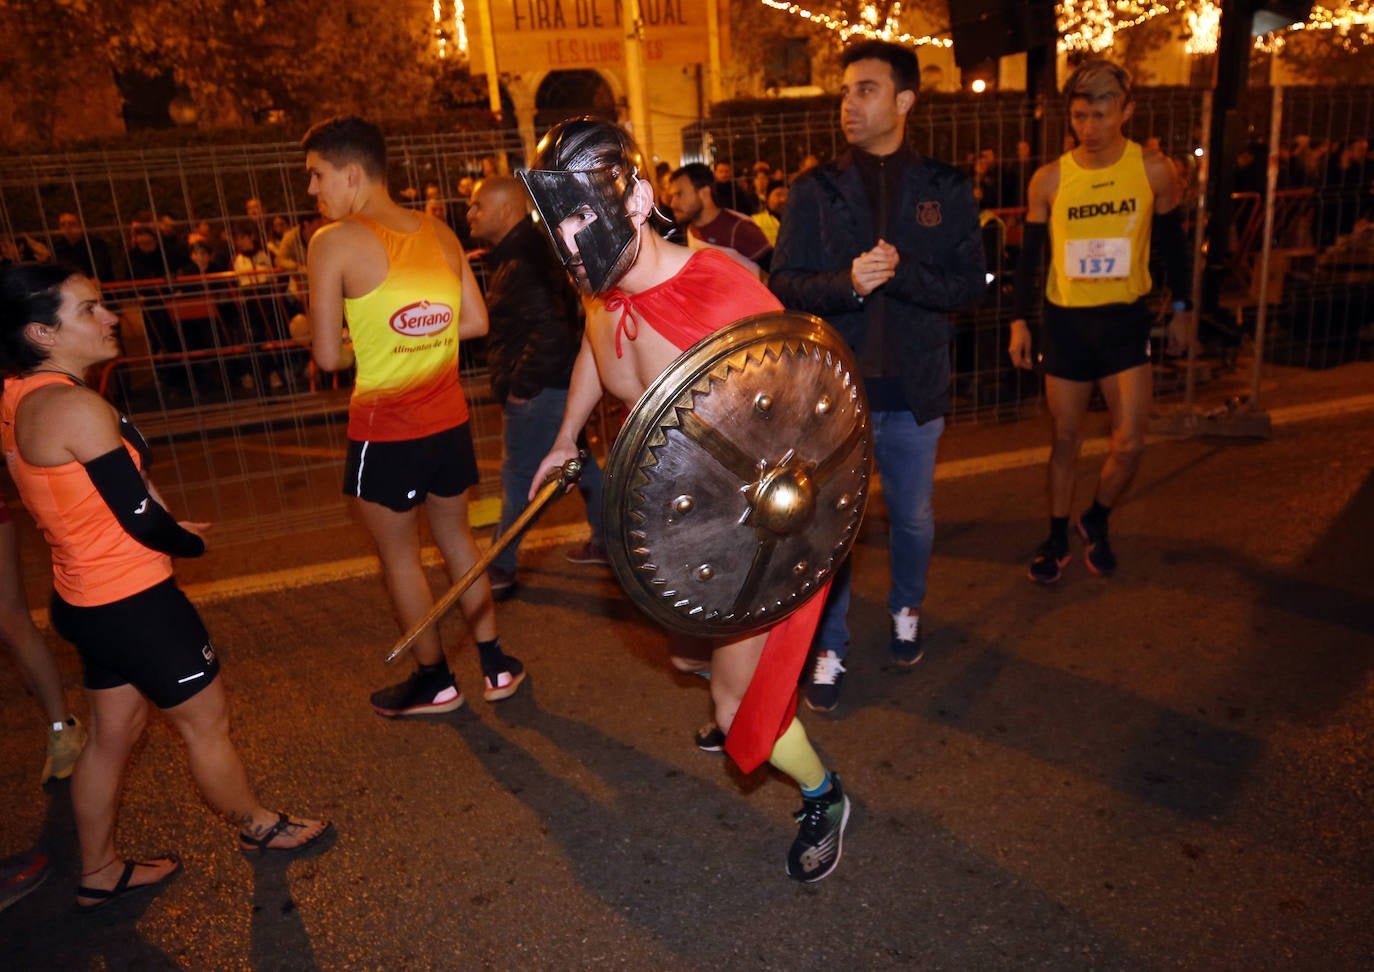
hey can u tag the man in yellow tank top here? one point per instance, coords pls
(403, 283)
(1105, 202)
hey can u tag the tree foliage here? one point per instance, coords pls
(306, 58)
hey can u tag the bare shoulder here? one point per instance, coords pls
(336, 237)
(448, 242)
(1046, 178)
(1044, 186)
(84, 405)
(1164, 180)
(1159, 166)
(60, 422)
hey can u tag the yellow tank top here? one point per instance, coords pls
(1100, 232)
(405, 338)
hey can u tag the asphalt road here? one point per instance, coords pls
(1170, 769)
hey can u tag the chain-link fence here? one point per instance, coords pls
(216, 366)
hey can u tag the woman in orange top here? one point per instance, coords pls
(79, 465)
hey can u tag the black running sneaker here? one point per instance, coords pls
(503, 681)
(907, 647)
(823, 694)
(503, 583)
(709, 738)
(820, 835)
(1098, 556)
(421, 694)
(1049, 561)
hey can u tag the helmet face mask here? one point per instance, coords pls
(603, 251)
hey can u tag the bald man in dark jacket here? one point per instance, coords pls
(536, 331)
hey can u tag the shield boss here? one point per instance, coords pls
(739, 479)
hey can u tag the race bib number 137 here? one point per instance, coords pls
(1098, 259)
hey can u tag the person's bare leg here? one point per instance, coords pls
(1128, 395)
(732, 668)
(118, 716)
(448, 524)
(689, 655)
(25, 642)
(1068, 405)
(397, 539)
(203, 723)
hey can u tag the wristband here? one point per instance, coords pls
(1181, 305)
(855, 294)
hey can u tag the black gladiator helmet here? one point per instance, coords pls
(588, 165)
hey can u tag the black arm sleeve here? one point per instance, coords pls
(1167, 241)
(120, 485)
(1033, 237)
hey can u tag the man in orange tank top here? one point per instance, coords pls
(1094, 207)
(403, 283)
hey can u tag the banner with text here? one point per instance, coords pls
(561, 35)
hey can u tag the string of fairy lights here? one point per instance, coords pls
(1084, 25)
(871, 23)
(1092, 25)
(450, 31)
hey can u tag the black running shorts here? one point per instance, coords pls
(153, 640)
(399, 475)
(1088, 343)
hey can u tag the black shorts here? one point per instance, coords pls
(1088, 343)
(399, 475)
(153, 640)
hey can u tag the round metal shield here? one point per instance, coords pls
(739, 479)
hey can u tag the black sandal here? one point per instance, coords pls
(249, 843)
(122, 886)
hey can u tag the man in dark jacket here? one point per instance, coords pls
(884, 244)
(536, 332)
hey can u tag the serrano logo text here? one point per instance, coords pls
(421, 318)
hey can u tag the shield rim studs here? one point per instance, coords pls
(660, 408)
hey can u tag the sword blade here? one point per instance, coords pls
(557, 484)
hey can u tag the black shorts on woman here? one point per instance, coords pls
(153, 640)
(1090, 343)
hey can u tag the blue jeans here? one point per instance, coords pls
(529, 428)
(906, 465)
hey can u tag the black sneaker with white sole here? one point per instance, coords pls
(709, 738)
(820, 835)
(1098, 556)
(823, 694)
(424, 693)
(1049, 562)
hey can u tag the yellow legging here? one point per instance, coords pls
(793, 755)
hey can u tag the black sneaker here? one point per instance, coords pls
(589, 553)
(502, 582)
(423, 693)
(1050, 558)
(503, 681)
(1098, 556)
(906, 647)
(709, 738)
(820, 836)
(823, 694)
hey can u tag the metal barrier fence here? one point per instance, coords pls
(256, 439)
(246, 433)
